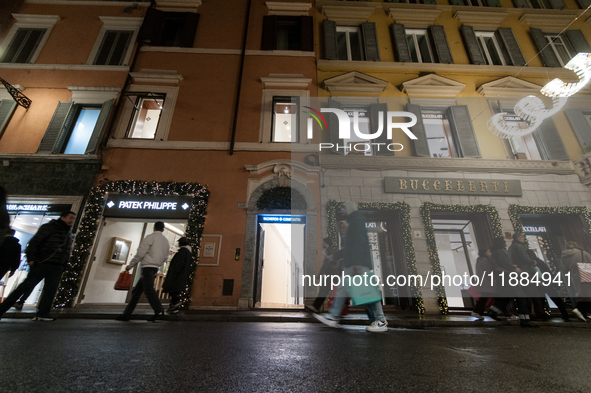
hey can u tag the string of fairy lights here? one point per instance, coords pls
(92, 214)
(403, 208)
(426, 209)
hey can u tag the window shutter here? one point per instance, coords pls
(269, 39)
(151, 26)
(189, 30)
(429, 1)
(520, 4)
(330, 40)
(549, 142)
(578, 41)
(493, 3)
(307, 33)
(6, 110)
(420, 144)
(439, 40)
(548, 56)
(374, 123)
(57, 129)
(465, 138)
(471, 43)
(557, 4)
(584, 3)
(456, 2)
(99, 127)
(400, 44)
(333, 127)
(580, 125)
(370, 41)
(507, 40)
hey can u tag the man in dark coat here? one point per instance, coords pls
(178, 275)
(10, 254)
(47, 255)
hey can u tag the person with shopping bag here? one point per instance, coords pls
(576, 261)
(178, 275)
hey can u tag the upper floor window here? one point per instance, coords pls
(285, 119)
(26, 38)
(562, 50)
(349, 44)
(145, 117)
(113, 47)
(162, 28)
(438, 133)
(557, 49)
(477, 3)
(352, 43)
(418, 45)
(492, 48)
(541, 4)
(421, 45)
(115, 41)
(412, 1)
(287, 33)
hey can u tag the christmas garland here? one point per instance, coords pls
(87, 229)
(281, 198)
(404, 209)
(426, 209)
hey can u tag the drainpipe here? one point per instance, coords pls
(241, 73)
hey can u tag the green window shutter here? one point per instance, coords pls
(456, 2)
(330, 40)
(429, 2)
(420, 144)
(6, 110)
(374, 123)
(151, 26)
(58, 128)
(333, 127)
(549, 141)
(400, 43)
(557, 4)
(189, 30)
(465, 138)
(269, 39)
(520, 4)
(510, 45)
(471, 44)
(307, 33)
(548, 56)
(584, 3)
(578, 41)
(580, 125)
(370, 41)
(439, 40)
(101, 124)
(493, 3)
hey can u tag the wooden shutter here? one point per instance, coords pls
(269, 39)
(189, 30)
(370, 41)
(580, 125)
(465, 138)
(578, 41)
(99, 127)
(584, 3)
(549, 141)
(493, 3)
(6, 110)
(510, 46)
(520, 4)
(330, 40)
(151, 26)
(548, 56)
(400, 43)
(471, 43)
(307, 33)
(420, 144)
(58, 128)
(439, 40)
(333, 127)
(374, 123)
(557, 4)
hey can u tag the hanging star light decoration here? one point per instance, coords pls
(532, 110)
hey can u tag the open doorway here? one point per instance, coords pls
(280, 261)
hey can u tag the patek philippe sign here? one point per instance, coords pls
(428, 185)
(147, 206)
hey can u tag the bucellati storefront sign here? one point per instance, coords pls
(428, 185)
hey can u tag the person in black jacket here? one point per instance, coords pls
(47, 255)
(10, 254)
(178, 275)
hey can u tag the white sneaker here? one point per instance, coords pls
(476, 315)
(327, 319)
(512, 318)
(378, 326)
(579, 315)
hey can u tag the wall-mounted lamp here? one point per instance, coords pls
(237, 255)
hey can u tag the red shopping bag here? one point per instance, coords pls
(331, 298)
(123, 282)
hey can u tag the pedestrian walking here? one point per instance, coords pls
(178, 275)
(4, 217)
(356, 257)
(579, 290)
(484, 266)
(330, 266)
(47, 255)
(551, 290)
(152, 253)
(10, 254)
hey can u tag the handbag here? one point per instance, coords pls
(364, 293)
(123, 282)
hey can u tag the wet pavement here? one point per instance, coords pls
(99, 355)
